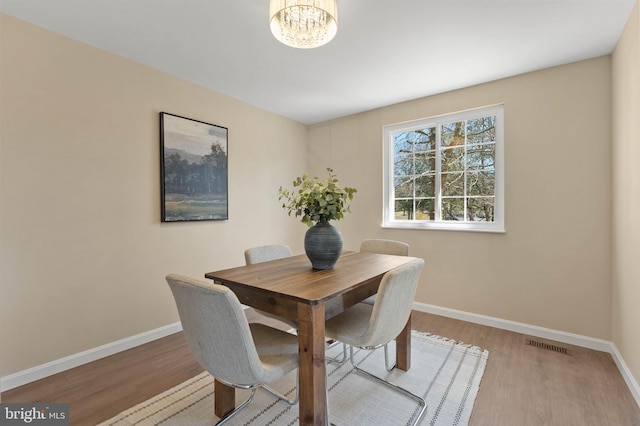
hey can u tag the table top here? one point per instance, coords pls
(293, 278)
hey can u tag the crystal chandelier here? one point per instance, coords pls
(304, 23)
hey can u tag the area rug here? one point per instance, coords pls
(445, 372)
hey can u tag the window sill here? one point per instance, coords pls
(440, 226)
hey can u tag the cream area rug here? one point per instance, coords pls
(446, 373)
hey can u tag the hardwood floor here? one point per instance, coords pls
(522, 384)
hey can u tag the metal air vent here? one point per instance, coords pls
(547, 346)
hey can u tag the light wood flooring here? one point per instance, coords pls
(522, 385)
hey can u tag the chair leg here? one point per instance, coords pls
(253, 392)
(237, 409)
(342, 360)
(386, 359)
(421, 402)
(281, 396)
(337, 360)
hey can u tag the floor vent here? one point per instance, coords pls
(547, 346)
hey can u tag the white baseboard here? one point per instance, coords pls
(626, 373)
(531, 330)
(41, 371)
(545, 333)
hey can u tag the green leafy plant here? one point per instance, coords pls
(317, 200)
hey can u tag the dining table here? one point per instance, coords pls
(292, 289)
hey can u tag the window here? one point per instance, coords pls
(446, 172)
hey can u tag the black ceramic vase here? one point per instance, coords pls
(323, 245)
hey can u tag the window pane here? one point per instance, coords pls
(425, 162)
(481, 130)
(403, 164)
(452, 184)
(403, 186)
(425, 139)
(481, 183)
(452, 159)
(426, 186)
(453, 209)
(453, 134)
(426, 209)
(480, 209)
(402, 143)
(481, 157)
(403, 210)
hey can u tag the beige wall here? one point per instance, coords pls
(626, 193)
(83, 252)
(552, 268)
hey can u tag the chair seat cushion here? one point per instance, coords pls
(278, 351)
(370, 300)
(287, 321)
(350, 326)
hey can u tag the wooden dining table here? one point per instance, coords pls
(291, 289)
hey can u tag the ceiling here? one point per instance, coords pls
(385, 52)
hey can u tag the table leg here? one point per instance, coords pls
(403, 347)
(312, 370)
(224, 399)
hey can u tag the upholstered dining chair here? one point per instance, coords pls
(396, 248)
(372, 326)
(264, 254)
(239, 354)
(381, 246)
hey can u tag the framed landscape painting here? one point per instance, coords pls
(193, 169)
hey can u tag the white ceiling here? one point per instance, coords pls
(385, 52)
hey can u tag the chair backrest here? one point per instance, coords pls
(266, 253)
(393, 304)
(216, 330)
(396, 248)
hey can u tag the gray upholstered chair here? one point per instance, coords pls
(239, 354)
(265, 254)
(396, 248)
(371, 326)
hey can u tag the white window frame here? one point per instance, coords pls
(389, 131)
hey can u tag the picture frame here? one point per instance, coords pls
(194, 170)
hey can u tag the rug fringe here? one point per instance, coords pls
(473, 348)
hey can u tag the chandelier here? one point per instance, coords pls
(304, 23)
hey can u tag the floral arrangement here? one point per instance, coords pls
(317, 200)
